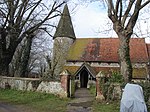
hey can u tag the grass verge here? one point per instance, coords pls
(103, 106)
(106, 107)
(92, 90)
(39, 102)
(42, 102)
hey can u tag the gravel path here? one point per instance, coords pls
(6, 107)
(82, 102)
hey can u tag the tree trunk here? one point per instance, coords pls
(6, 53)
(125, 62)
(5, 59)
(22, 72)
(4, 69)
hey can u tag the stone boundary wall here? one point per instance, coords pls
(33, 84)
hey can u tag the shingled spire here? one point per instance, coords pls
(65, 27)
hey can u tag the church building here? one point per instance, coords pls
(84, 58)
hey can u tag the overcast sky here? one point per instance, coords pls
(91, 20)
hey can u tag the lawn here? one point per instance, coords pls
(106, 107)
(39, 102)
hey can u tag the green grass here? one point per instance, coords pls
(104, 107)
(92, 90)
(39, 102)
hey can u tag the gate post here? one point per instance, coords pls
(99, 94)
(65, 82)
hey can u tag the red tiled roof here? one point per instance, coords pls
(109, 50)
(138, 50)
(106, 50)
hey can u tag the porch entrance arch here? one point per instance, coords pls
(84, 79)
(85, 75)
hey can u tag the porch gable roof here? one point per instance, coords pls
(88, 67)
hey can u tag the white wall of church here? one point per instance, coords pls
(102, 64)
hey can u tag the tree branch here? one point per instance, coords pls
(31, 13)
(143, 5)
(111, 11)
(120, 15)
(32, 29)
(21, 11)
(127, 12)
(117, 7)
(11, 14)
(134, 17)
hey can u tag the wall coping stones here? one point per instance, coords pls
(19, 78)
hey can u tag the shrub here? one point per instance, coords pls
(108, 88)
(116, 77)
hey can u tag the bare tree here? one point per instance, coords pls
(124, 18)
(30, 59)
(51, 63)
(16, 23)
(124, 15)
(21, 59)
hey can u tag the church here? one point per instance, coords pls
(84, 58)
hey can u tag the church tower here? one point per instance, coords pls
(63, 39)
